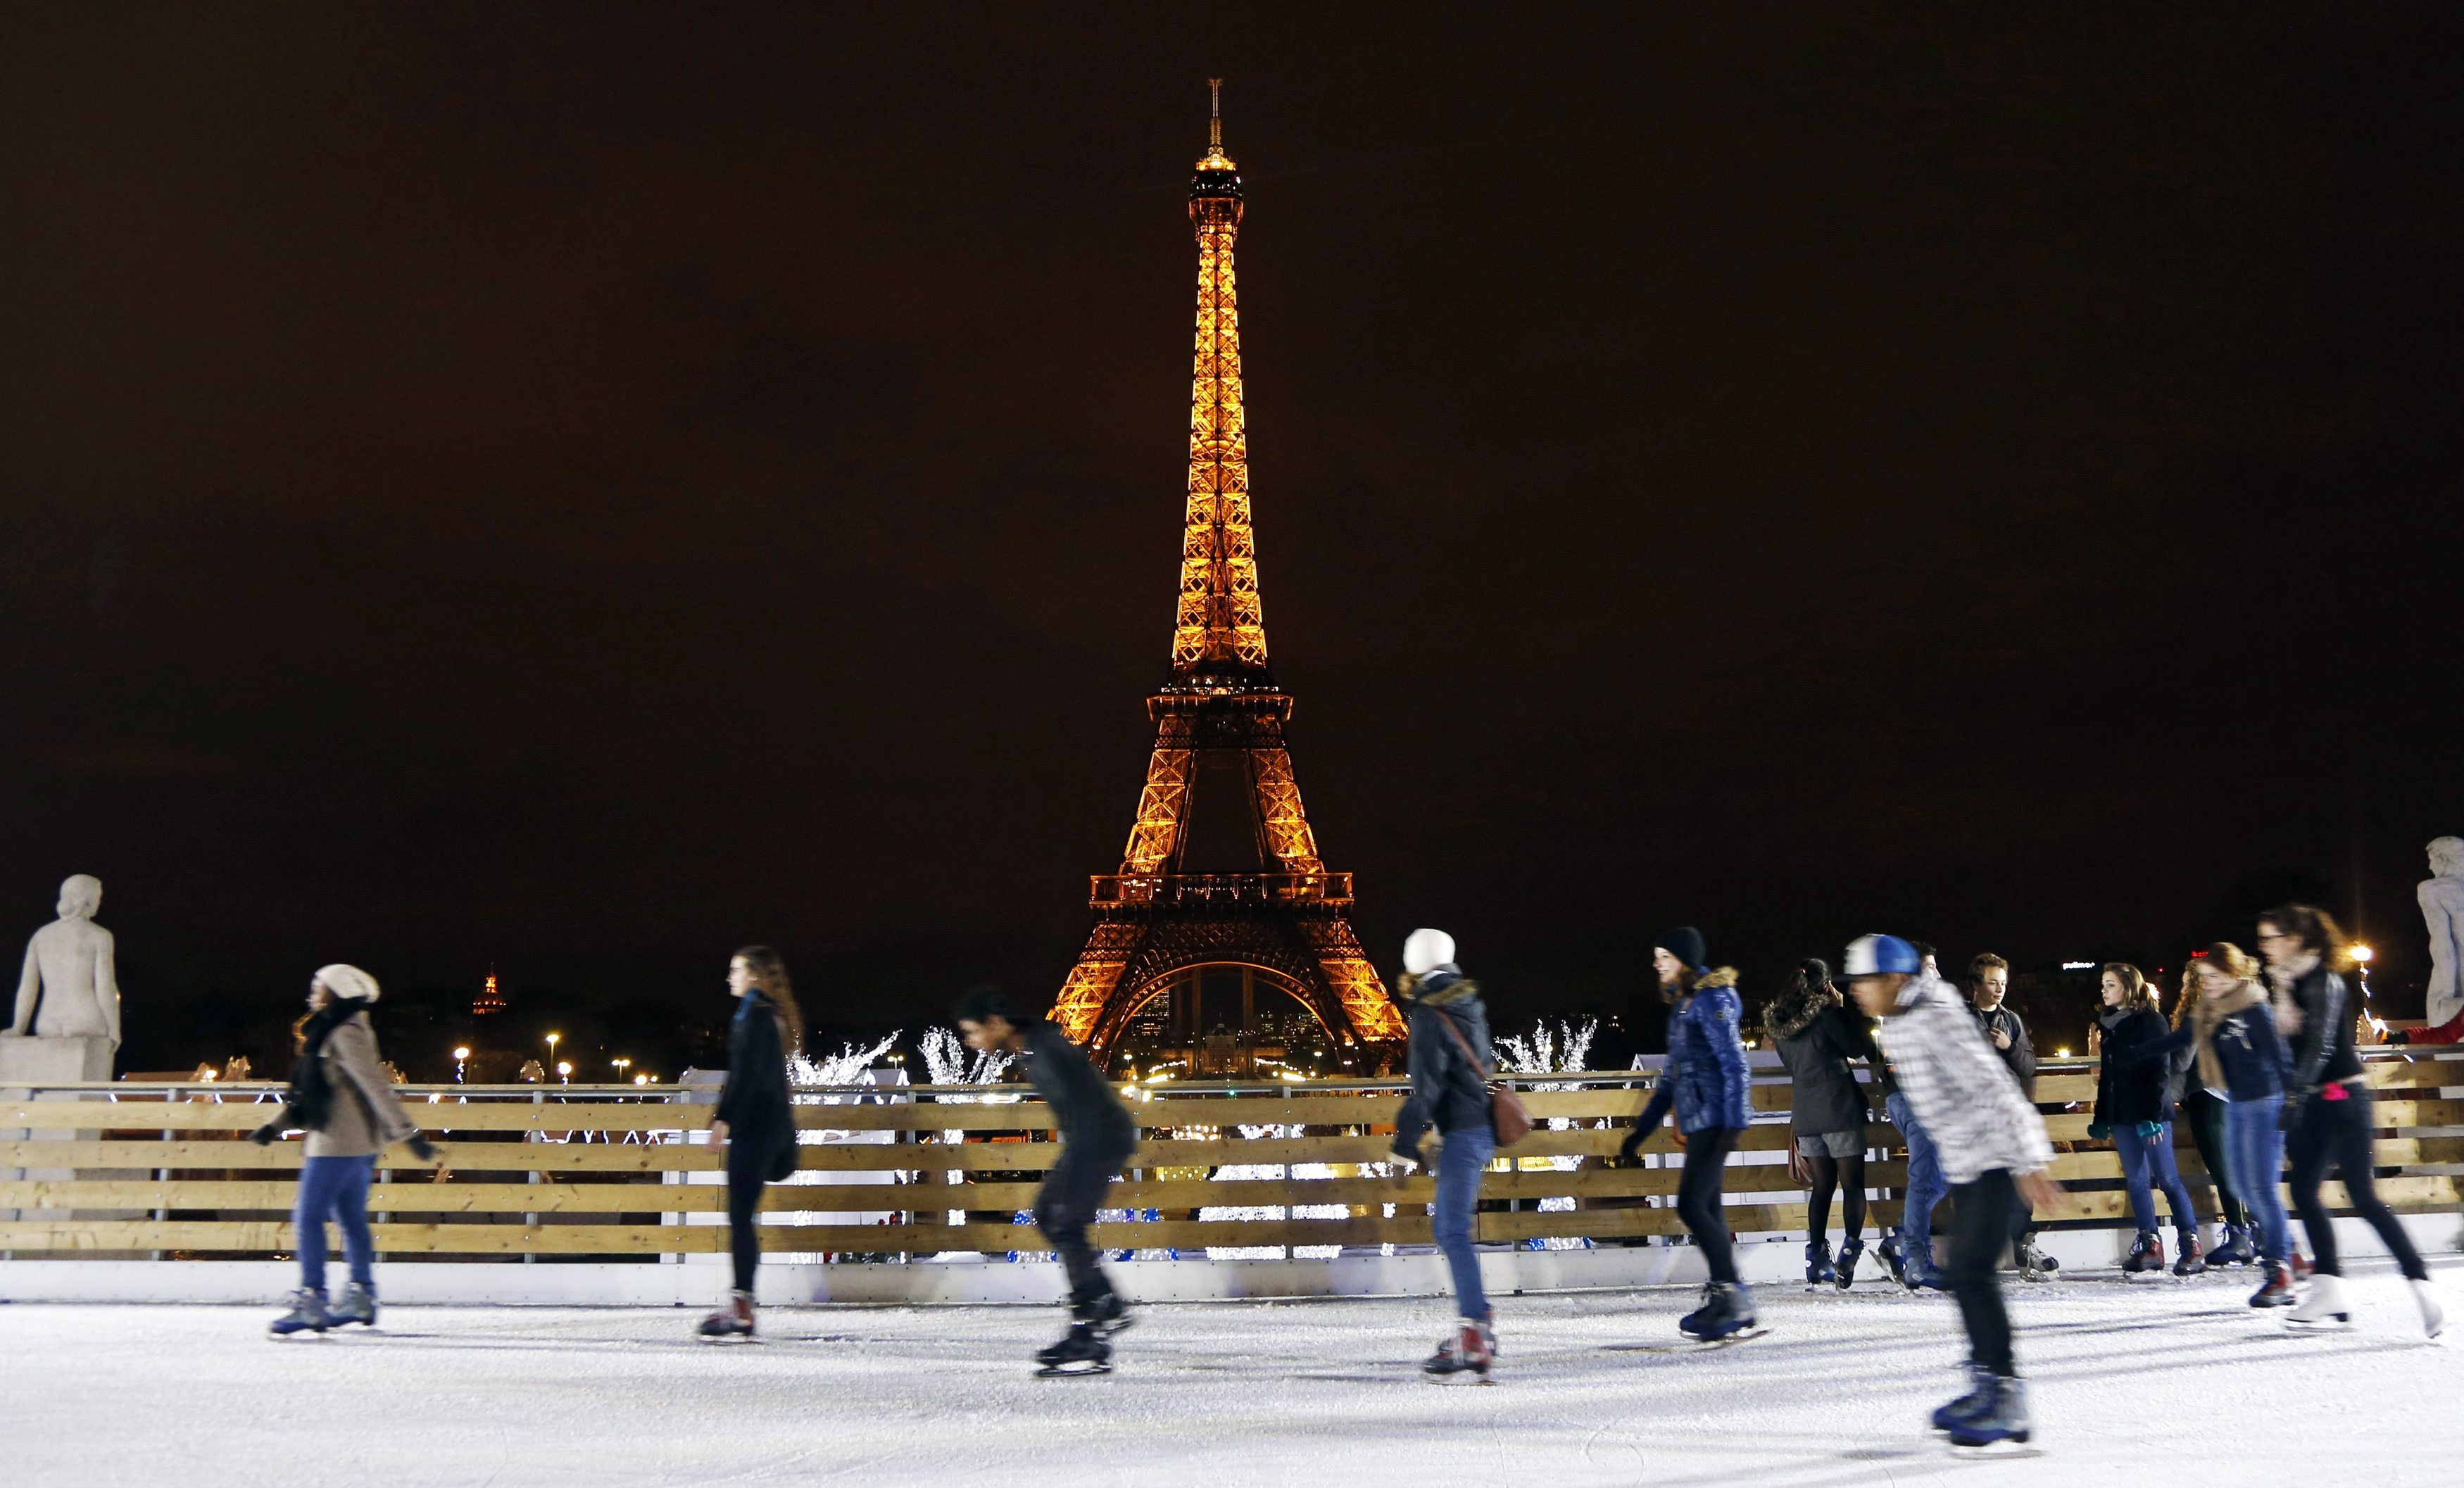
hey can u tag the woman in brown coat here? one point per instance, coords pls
(340, 1095)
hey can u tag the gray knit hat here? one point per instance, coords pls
(348, 981)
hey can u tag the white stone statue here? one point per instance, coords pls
(68, 988)
(2442, 909)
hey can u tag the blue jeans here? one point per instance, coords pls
(2148, 1163)
(338, 1186)
(2253, 1162)
(1926, 1188)
(1461, 1162)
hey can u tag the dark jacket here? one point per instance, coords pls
(2130, 1089)
(2323, 1052)
(2021, 1055)
(1707, 1079)
(1816, 1038)
(2177, 1070)
(754, 1101)
(1085, 1108)
(1448, 1091)
(2254, 1060)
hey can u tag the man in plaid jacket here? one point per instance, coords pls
(1994, 1151)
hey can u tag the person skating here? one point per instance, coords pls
(2134, 1109)
(2202, 1111)
(1993, 1150)
(2240, 1060)
(1810, 1026)
(341, 1097)
(1450, 1061)
(1097, 1137)
(1989, 990)
(1709, 1083)
(2327, 1110)
(755, 1121)
(1909, 1253)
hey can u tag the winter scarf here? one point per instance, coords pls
(309, 1096)
(2205, 1015)
(1793, 1010)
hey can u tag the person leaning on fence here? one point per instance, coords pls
(2327, 1117)
(1097, 1137)
(341, 1097)
(2134, 1110)
(1993, 1148)
(1449, 1063)
(1826, 1121)
(755, 1120)
(1989, 991)
(1709, 1084)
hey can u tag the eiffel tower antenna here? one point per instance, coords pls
(1287, 926)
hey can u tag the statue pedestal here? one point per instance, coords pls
(52, 1062)
(33, 1062)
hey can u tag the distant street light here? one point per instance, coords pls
(563, 1074)
(459, 1055)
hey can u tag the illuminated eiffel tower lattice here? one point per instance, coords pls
(1284, 925)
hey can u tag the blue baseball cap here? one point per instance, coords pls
(1880, 955)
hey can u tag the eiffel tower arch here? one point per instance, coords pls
(1284, 925)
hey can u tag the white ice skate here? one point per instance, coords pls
(2433, 1316)
(2323, 1306)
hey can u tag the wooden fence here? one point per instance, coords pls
(625, 1172)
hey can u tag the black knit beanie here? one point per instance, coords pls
(1684, 943)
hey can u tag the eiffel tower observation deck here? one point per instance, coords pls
(1232, 968)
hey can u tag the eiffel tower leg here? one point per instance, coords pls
(1094, 979)
(1356, 986)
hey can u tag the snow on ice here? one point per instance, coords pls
(2158, 1381)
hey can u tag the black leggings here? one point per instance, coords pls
(2336, 1134)
(1848, 1175)
(1072, 1193)
(2207, 1124)
(747, 1164)
(1983, 1212)
(1699, 1198)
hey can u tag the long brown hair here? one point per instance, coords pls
(2137, 994)
(768, 970)
(2317, 931)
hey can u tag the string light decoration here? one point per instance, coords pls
(1291, 917)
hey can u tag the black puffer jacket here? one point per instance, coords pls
(753, 1102)
(1816, 1038)
(2131, 1089)
(1448, 1091)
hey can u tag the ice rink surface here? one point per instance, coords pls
(2147, 1381)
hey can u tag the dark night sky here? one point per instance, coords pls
(583, 486)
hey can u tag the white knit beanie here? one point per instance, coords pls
(348, 981)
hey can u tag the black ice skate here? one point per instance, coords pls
(1082, 1350)
(1980, 1381)
(2235, 1249)
(1850, 1249)
(1818, 1270)
(735, 1321)
(1727, 1312)
(2193, 1262)
(2034, 1265)
(359, 1304)
(1108, 1315)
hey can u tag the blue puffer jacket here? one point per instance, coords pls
(1707, 1079)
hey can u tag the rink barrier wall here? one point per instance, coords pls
(623, 1175)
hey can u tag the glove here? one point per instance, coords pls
(268, 1134)
(421, 1148)
(2151, 1130)
(2098, 1132)
(1405, 1154)
(1632, 1145)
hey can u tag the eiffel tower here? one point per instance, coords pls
(1218, 721)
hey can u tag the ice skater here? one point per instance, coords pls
(2134, 1109)
(755, 1121)
(1989, 991)
(2243, 1063)
(1816, 1040)
(1097, 1136)
(1450, 1061)
(1709, 1083)
(341, 1097)
(2200, 1109)
(1993, 1147)
(2327, 1118)
(1909, 1253)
